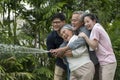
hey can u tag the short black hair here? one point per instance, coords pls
(92, 17)
(61, 16)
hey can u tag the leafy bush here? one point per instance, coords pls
(114, 32)
(25, 67)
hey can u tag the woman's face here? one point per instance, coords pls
(89, 23)
(66, 34)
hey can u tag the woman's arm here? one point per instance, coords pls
(92, 43)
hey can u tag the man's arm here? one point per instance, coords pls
(80, 41)
(59, 54)
(50, 45)
(75, 44)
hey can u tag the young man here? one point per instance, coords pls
(54, 41)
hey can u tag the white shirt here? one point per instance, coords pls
(80, 56)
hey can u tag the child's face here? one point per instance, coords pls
(89, 23)
(66, 34)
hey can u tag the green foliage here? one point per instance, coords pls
(36, 26)
(25, 67)
(43, 73)
(113, 30)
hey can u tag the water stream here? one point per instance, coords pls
(4, 48)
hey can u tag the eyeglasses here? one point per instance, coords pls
(56, 22)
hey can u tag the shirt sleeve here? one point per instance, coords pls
(95, 33)
(64, 44)
(50, 44)
(79, 51)
(80, 41)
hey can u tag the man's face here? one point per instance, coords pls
(75, 21)
(57, 24)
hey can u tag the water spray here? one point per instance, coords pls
(4, 48)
